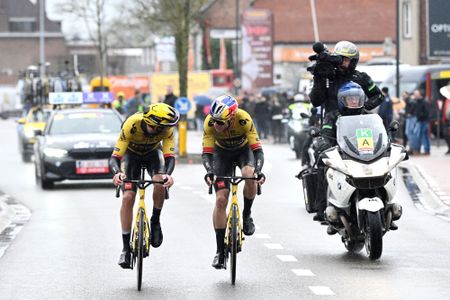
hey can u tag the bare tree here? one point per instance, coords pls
(174, 17)
(92, 12)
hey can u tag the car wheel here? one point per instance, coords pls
(46, 184)
(26, 157)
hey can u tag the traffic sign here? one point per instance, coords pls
(183, 105)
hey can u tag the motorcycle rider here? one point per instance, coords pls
(329, 74)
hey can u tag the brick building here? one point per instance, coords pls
(369, 24)
(19, 39)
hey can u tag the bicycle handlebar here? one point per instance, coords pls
(166, 196)
(236, 180)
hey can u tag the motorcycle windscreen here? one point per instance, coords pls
(362, 137)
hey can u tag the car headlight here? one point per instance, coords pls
(29, 133)
(55, 152)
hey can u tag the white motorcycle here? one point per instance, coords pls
(361, 173)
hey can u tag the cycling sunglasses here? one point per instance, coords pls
(220, 123)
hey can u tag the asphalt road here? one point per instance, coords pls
(70, 246)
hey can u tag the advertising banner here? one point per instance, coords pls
(438, 28)
(257, 49)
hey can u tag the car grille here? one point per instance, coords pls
(90, 153)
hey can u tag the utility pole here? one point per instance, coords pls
(236, 63)
(42, 38)
(314, 20)
(397, 54)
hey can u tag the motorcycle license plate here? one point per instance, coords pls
(99, 166)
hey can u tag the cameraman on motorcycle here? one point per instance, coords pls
(332, 71)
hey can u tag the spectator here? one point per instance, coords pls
(386, 111)
(422, 128)
(135, 104)
(119, 104)
(262, 117)
(410, 119)
(277, 116)
(170, 98)
(445, 91)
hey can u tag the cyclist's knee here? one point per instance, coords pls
(128, 198)
(221, 203)
(247, 171)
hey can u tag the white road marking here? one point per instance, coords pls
(303, 272)
(198, 192)
(186, 187)
(262, 236)
(273, 246)
(321, 290)
(287, 258)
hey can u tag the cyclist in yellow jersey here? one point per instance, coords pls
(140, 143)
(230, 137)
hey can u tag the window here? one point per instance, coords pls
(22, 24)
(407, 20)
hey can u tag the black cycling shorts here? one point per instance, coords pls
(131, 165)
(223, 163)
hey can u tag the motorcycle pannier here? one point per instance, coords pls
(310, 179)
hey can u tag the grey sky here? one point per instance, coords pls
(71, 25)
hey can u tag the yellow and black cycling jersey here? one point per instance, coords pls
(241, 132)
(133, 137)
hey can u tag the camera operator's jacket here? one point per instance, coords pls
(327, 97)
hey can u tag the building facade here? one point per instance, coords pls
(19, 39)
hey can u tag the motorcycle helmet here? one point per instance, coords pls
(161, 115)
(351, 98)
(223, 108)
(349, 50)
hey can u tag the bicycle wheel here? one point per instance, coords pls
(233, 243)
(140, 248)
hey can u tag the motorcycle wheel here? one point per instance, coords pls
(374, 235)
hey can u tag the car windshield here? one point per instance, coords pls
(362, 137)
(39, 116)
(84, 122)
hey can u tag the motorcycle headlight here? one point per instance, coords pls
(297, 127)
(55, 152)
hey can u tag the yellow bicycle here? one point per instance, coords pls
(233, 235)
(140, 238)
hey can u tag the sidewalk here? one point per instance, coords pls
(6, 212)
(431, 174)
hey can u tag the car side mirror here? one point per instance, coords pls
(314, 132)
(394, 126)
(21, 121)
(37, 132)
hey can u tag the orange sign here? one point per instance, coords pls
(301, 54)
(128, 84)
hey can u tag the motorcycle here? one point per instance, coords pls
(297, 127)
(361, 173)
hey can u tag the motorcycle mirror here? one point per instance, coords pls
(314, 132)
(304, 115)
(394, 126)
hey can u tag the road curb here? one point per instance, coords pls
(7, 213)
(428, 193)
